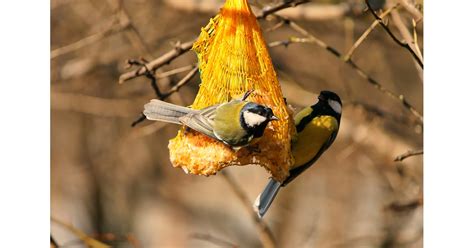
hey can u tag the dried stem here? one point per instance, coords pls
(280, 6)
(376, 111)
(124, 108)
(181, 83)
(312, 39)
(412, 10)
(186, 79)
(405, 33)
(266, 237)
(403, 207)
(113, 29)
(179, 49)
(131, 33)
(211, 239)
(394, 38)
(408, 154)
(174, 71)
(87, 240)
(351, 51)
(53, 241)
(138, 120)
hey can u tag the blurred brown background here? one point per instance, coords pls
(116, 183)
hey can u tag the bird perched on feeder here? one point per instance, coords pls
(316, 127)
(236, 123)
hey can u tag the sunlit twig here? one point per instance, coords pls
(266, 236)
(408, 154)
(394, 38)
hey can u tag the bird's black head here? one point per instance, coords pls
(330, 103)
(254, 118)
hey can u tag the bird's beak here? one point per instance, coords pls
(274, 118)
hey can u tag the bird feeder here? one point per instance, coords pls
(233, 58)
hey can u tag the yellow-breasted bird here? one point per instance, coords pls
(235, 123)
(317, 128)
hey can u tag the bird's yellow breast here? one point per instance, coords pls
(309, 141)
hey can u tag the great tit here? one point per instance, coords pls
(236, 123)
(316, 127)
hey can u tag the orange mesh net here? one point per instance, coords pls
(233, 58)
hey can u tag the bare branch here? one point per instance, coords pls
(374, 110)
(211, 239)
(408, 154)
(415, 39)
(389, 32)
(412, 10)
(166, 58)
(181, 83)
(280, 6)
(138, 120)
(87, 240)
(186, 79)
(149, 74)
(95, 105)
(403, 207)
(174, 71)
(412, 41)
(53, 242)
(113, 29)
(266, 236)
(131, 33)
(312, 39)
(351, 51)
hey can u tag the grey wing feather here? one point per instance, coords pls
(202, 120)
(199, 123)
(209, 113)
(158, 110)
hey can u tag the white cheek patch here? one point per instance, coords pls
(252, 119)
(336, 106)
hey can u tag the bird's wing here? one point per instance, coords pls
(201, 121)
(298, 170)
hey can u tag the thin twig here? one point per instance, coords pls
(403, 207)
(181, 48)
(376, 111)
(124, 108)
(174, 71)
(348, 56)
(186, 79)
(312, 39)
(149, 74)
(266, 237)
(275, 27)
(166, 58)
(408, 154)
(394, 38)
(138, 120)
(412, 10)
(181, 83)
(282, 5)
(407, 36)
(86, 239)
(114, 28)
(211, 239)
(415, 39)
(53, 241)
(131, 33)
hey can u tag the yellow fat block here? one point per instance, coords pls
(233, 58)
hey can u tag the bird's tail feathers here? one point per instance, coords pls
(158, 110)
(265, 199)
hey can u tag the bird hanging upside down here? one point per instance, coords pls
(316, 127)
